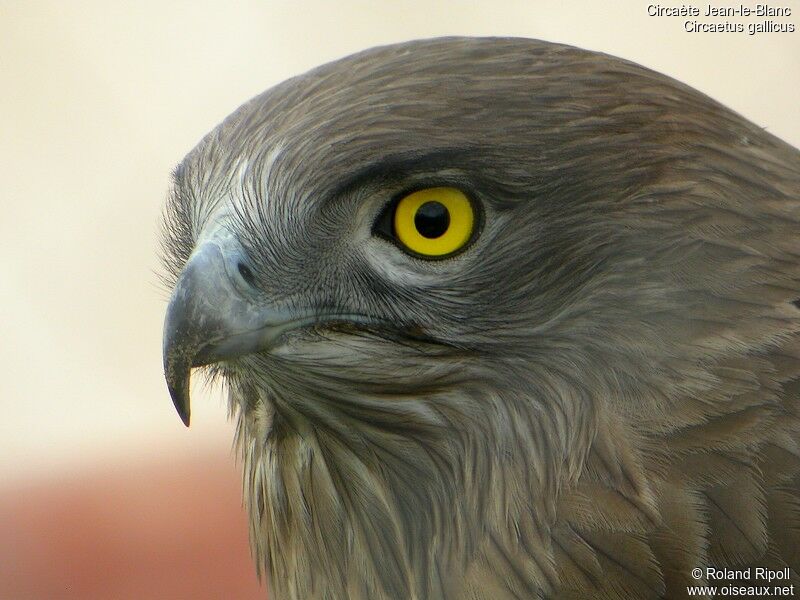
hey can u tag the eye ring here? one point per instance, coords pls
(434, 223)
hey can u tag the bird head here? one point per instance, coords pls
(432, 269)
(431, 198)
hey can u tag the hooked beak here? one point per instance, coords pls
(210, 319)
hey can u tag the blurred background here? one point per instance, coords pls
(103, 493)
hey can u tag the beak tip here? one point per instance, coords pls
(181, 403)
(178, 385)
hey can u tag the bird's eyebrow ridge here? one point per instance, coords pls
(397, 166)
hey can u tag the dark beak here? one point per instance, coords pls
(211, 318)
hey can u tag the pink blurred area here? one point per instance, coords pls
(173, 529)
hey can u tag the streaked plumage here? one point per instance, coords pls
(599, 394)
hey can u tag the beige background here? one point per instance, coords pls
(98, 102)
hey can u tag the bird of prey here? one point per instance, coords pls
(499, 319)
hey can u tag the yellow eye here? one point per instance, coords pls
(435, 221)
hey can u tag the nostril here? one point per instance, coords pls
(246, 273)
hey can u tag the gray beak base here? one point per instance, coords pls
(210, 319)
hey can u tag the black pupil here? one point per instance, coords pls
(432, 219)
